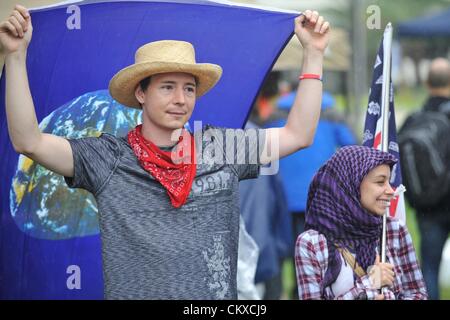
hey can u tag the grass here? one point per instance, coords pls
(445, 293)
(288, 278)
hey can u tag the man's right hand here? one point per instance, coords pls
(15, 31)
(50, 151)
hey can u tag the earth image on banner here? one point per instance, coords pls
(41, 203)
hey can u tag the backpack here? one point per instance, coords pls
(424, 142)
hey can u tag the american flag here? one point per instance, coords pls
(373, 132)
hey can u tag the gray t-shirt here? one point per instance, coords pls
(150, 249)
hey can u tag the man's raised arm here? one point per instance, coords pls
(51, 151)
(298, 133)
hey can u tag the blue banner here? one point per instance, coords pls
(49, 233)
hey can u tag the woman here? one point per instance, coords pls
(337, 257)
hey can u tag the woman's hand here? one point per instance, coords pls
(381, 274)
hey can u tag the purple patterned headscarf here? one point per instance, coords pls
(334, 207)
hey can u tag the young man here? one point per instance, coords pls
(169, 228)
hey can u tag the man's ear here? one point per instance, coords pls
(140, 94)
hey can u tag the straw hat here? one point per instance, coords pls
(162, 57)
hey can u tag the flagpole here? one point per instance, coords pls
(385, 93)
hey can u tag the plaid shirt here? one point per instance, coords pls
(311, 261)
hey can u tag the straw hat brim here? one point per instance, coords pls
(123, 85)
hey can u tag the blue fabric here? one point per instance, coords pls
(298, 169)
(65, 64)
(433, 25)
(327, 100)
(264, 209)
(286, 102)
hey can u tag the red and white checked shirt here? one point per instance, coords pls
(311, 262)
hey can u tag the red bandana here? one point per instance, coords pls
(177, 177)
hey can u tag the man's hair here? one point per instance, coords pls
(439, 75)
(144, 83)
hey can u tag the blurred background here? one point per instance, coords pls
(421, 33)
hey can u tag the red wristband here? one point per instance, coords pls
(310, 76)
